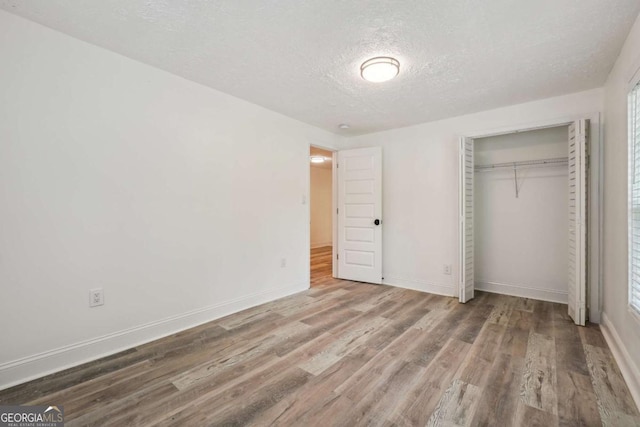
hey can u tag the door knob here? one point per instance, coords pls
(376, 222)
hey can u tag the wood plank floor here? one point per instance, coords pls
(321, 265)
(345, 354)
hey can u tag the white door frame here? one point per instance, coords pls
(594, 232)
(334, 213)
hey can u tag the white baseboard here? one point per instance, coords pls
(522, 291)
(416, 285)
(630, 372)
(321, 245)
(38, 365)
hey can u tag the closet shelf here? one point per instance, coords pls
(557, 161)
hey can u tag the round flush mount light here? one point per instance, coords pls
(379, 69)
(317, 159)
(344, 126)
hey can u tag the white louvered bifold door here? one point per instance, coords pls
(578, 169)
(466, 220)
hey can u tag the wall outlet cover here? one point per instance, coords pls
(96, 297)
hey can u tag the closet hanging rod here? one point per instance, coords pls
(526, 163)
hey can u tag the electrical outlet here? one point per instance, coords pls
(283, 262)
(96, 297)
(446, 268)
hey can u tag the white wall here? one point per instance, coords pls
(535, 144)
(321, 199)
(617, 320)
(420, 184)
(521, 244)
(163, 192)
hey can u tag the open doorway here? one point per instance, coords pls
(321, 200)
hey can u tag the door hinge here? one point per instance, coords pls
(337, 165)
(337, 211)
(337, 256)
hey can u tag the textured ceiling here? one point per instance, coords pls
(301, 58)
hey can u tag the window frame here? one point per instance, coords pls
(633, 148)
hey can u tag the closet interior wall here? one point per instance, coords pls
(520, 216)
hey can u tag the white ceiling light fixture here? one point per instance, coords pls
(379, 69)
(344, 126)
(317, 159)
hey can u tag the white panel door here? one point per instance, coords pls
(359, 253)
(465, 262)
(578, 169)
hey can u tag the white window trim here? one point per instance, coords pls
(634, 84)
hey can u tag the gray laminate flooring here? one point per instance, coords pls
(347, 354)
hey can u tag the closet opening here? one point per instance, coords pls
(530, 215)
(521, 233)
